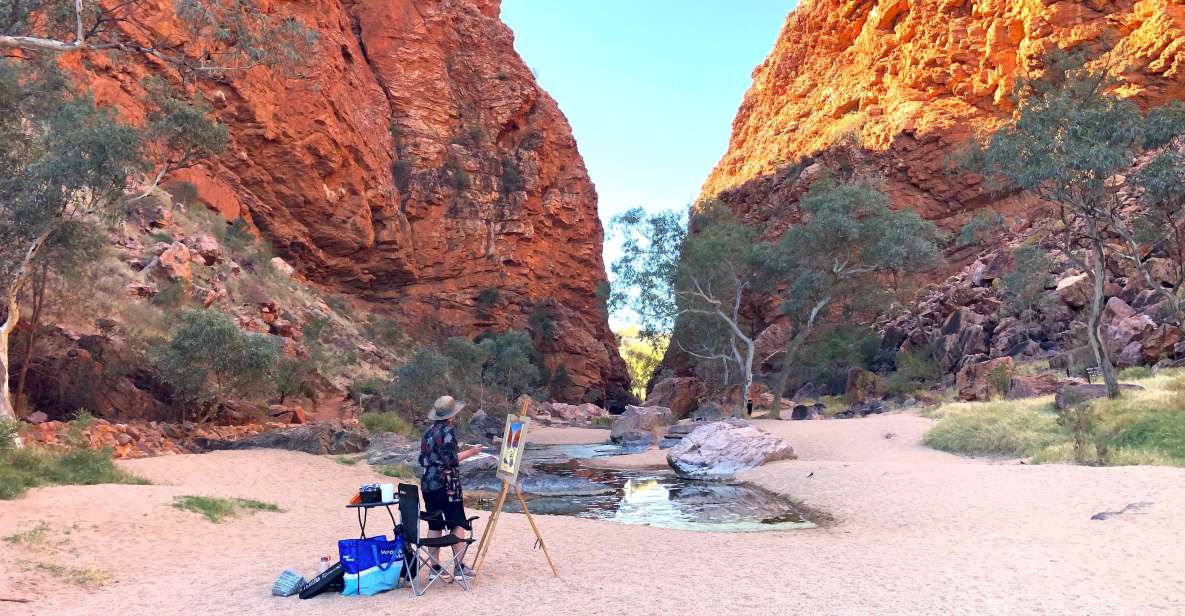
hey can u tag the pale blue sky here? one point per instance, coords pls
(649, 86)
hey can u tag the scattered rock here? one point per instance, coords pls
(317, 439)
(1071, 394)
(719, 450)
(1032, 386)
(282, 266)
(803, 411)
(576, 413)
(207, 248)
(862, 409)
(37, 417)
(982, 381)
(680, 394)
(641, 425)
(142, 290)
(174, 262)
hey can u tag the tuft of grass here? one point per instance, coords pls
(33, 536)
(347, 461)
(389, 421)
(1135, 373)
(217, 509)
(995, 429)
(89, 577)
(399, 471)
(32, 466)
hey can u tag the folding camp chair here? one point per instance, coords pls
(418, 556)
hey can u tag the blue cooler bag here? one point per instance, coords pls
(371, 565)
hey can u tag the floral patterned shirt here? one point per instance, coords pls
(438, 457)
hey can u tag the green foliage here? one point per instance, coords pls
(642, 357)
(383, 330)
(209, 359)
(999, 380)
(996, 429)
(828, 355)
(180, 128)
(1136, 373)
(63, 158)
(398, 471)
(541, 322)
(1025, 284)
(291, 376)
(345, 461)
(455, 176)
(915, 371)
(512, 180)
(32, 466)
(420, 381)
(510, 363)
(388, 421)
(980, 228)
(488, 297)
(401, 172)
(238, 238)
(646, 272)
(218, 509)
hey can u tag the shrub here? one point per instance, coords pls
(828, 355)
(980, 228)
(914, 371)
(388, 422)
(999, 380)
(218, 509)
(399, 471)
(238, 237)
(383, 331)
(488, 297)
(209, 358)
(512, 180)
(420, 381)
(401, 172)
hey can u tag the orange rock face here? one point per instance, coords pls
(912, 79)
(415, 165)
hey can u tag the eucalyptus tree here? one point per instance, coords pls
(1071, 137)
(849, 241)
(691, 287)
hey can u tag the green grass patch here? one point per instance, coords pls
(31, 466)
(388, 421)
(1140, 427)
(398, 471)
(347, 461)
(996, 429)
(1135, 373)
(218, 509)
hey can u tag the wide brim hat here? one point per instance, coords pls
(445, 407)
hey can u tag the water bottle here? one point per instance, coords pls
(323, 566)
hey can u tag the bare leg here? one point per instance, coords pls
(435, 552)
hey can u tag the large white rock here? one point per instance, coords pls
(720, 449)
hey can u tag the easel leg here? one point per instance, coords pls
(523, 503)
(483, 546)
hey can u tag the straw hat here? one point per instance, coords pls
(444, 408)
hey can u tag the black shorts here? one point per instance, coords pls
(454, 512)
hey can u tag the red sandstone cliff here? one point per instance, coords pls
(415, 165)
(914, 78)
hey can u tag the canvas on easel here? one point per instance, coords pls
(514, 440)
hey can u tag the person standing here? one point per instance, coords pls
(440, 484)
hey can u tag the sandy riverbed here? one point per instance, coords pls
(916, 532)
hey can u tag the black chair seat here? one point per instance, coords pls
(443, 542)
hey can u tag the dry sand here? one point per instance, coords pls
(916, 532)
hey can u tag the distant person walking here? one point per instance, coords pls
(441, 482)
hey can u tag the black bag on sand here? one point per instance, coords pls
(332, 580)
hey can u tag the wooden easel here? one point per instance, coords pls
(483, 546)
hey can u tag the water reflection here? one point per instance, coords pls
(661, 499)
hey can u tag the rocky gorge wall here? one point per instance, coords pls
(893, 89)
(911, 80)
(413, 163)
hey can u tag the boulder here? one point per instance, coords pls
(282, 267)
(174, 262)
(317, 439)
(720, 450)
(576, 413)
(1074, 290)
(863, 408)
(206, 248)
(1032, 386)
(804, 411)
(983, 380)
(36, 417)
(641, 423)
(1071, 394)
(390, 448)
(486, 427)
(863, 384)
(1122, 325)
(709, 411)
(680, 394)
